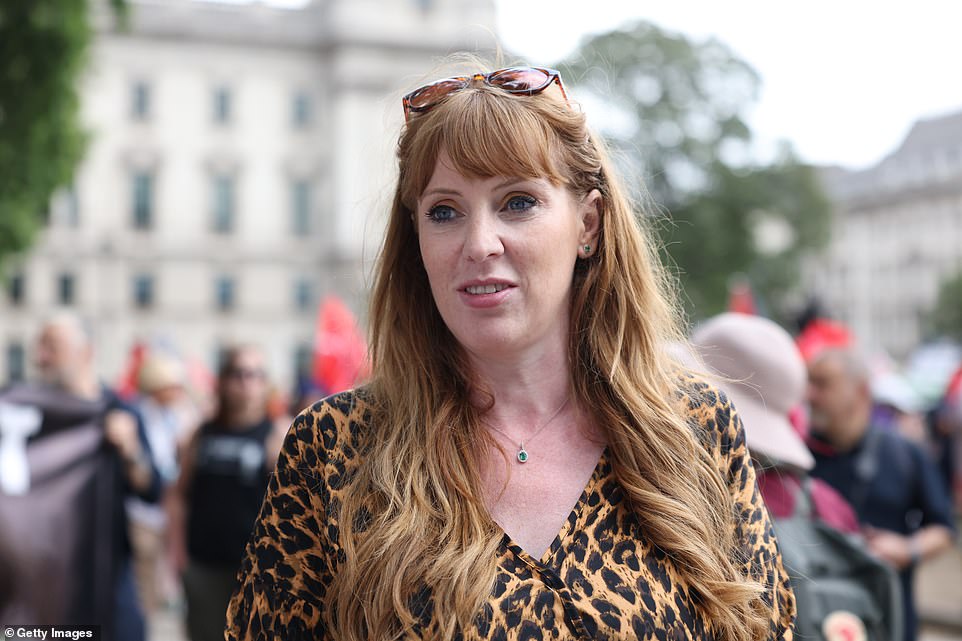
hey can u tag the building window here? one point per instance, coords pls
(303, 295)
(224, 293)
(222, 105)
(16, 289)
(223, 203)
(140, 101)
(301, 207)
(143, 291)
(143, 196)
(220, 354)
(72, 208)
(301, 108)
(16, 362)
(66, 289)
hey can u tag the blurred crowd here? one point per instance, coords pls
(115, 505)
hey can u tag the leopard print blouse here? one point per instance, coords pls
(600, 579)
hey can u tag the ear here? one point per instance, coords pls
(589, 209)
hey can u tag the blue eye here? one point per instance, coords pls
(520, 203)
(441, 213)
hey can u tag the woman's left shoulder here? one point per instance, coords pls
(708, 410)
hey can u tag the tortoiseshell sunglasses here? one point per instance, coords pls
(526, 81)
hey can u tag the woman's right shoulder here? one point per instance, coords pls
(335, 424)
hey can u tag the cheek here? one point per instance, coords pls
(436, 258)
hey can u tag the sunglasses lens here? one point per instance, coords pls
(520, 79)
(516, 80)
(432, 94)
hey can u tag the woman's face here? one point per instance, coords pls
(244, 384)
(500, 253)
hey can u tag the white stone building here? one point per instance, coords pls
(896, 235)
(238, 170)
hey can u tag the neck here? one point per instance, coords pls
(847, 441)
(850, 433)
(527, 391)
(242, 417)
(83, 386)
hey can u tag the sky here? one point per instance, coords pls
(843, 80)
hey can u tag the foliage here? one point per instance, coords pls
(673, 111)
(719, 233)
(945, 319)
(43, 45)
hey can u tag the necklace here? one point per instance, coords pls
(523, 453)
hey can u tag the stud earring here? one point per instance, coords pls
(587, 249)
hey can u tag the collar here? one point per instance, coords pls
(822, 447)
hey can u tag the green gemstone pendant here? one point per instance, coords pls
(522, 455)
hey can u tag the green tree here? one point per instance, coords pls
(945, 319)
(673, 111)
(43, 46)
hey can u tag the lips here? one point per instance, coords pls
(482, 287)
(485, 289)
(485, 294)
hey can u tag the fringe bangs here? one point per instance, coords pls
(485, 134)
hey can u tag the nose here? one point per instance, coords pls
(482, 238)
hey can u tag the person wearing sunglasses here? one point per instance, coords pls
(528, 459)
(224, 470)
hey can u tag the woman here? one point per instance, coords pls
(224, 473)
(764, 373)
(526, 461)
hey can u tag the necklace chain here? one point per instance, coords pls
(523, 453)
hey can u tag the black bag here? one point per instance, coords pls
(842, 592)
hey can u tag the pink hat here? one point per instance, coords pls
(766, 379)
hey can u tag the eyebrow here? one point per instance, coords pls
(439, 191)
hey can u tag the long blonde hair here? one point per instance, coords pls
(414, 514)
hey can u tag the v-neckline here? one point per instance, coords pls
(509, 543)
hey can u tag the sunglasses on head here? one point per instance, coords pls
(526, 81)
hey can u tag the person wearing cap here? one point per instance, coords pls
(892, 484)
(167, 419)
(763, 373)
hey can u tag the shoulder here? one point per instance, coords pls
(904, 455)
(709, 412)
(114, 402)
(333, 426)
(893, 440)
(116, 405)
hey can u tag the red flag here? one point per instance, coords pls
(127, 384)
(822, 334)
(740, 298)
(199, 377)
(340, 352)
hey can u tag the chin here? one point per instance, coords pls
(484, 344)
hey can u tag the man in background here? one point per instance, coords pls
(891, 483)
(88, 452)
